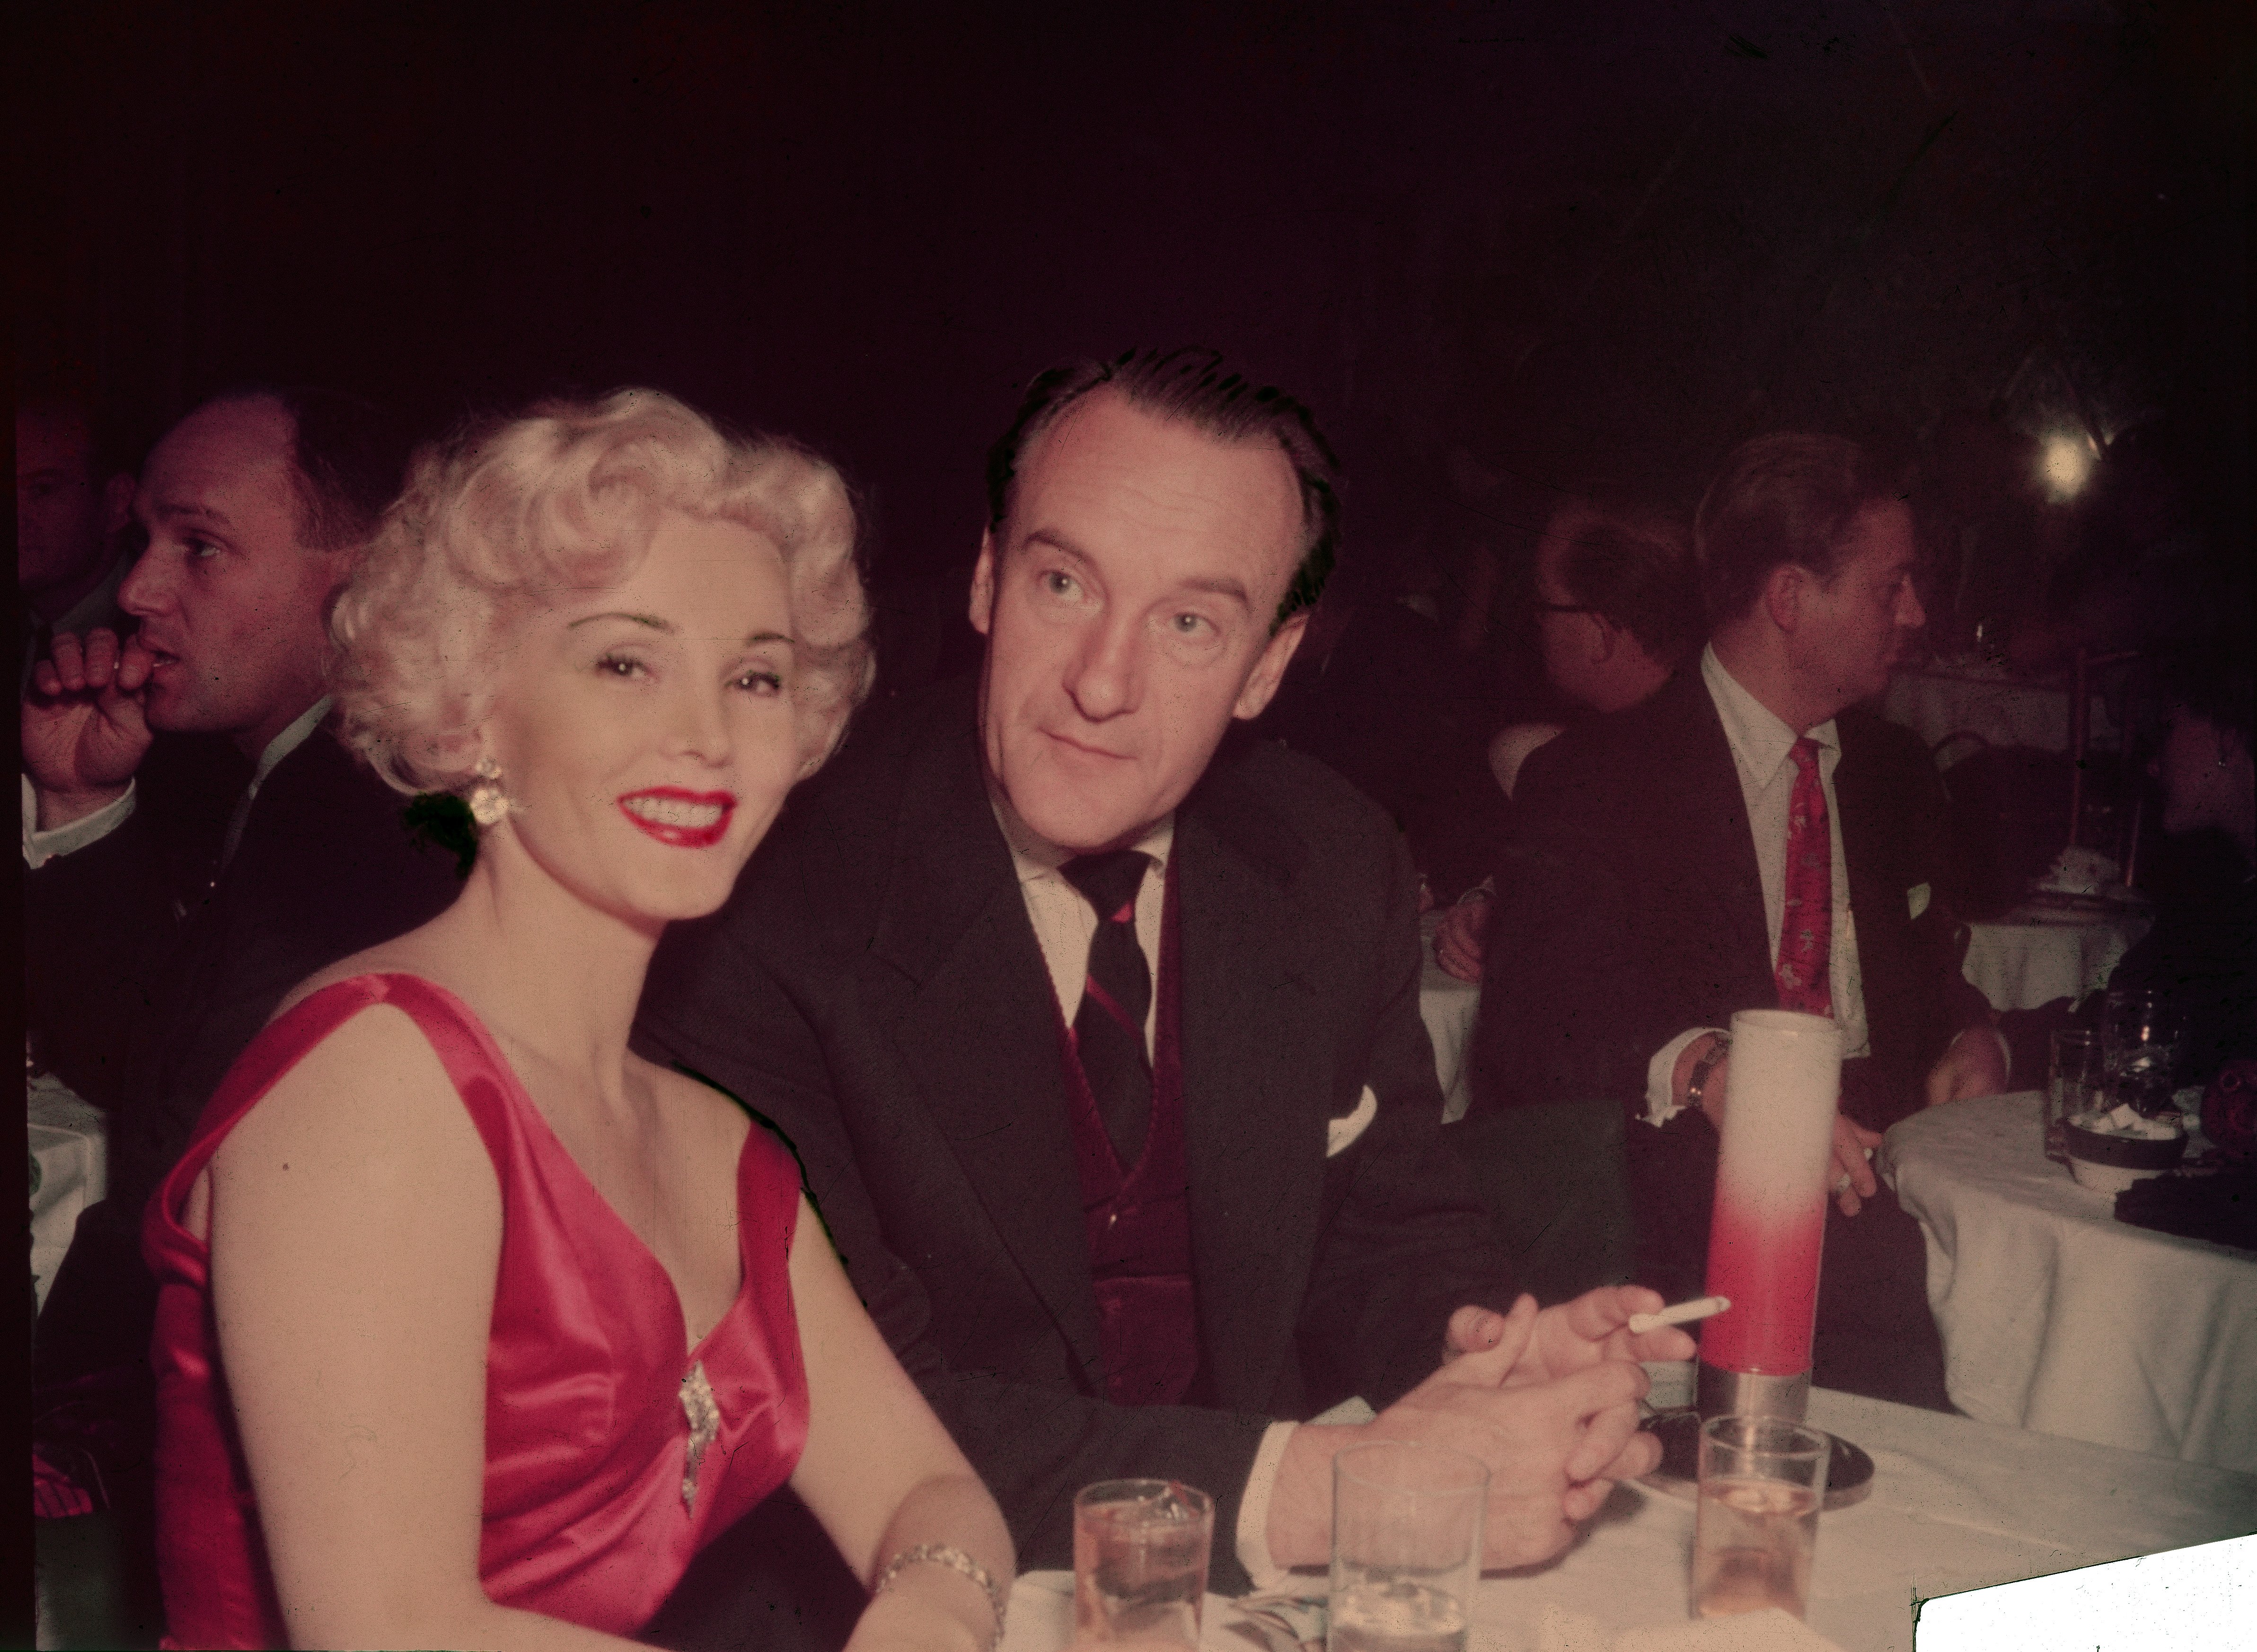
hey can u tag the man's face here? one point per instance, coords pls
(64, 515)
(228, 597)
(1853, 629)
(1127, 610)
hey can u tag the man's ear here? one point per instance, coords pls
(116, 502)
(1783, 589)
(1606, 637)
(983, 585)
(1270, 669)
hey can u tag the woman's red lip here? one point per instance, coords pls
(682, 836)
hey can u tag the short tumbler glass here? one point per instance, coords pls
(1140, 1553)
(1756, 1525)
(1407, 1547)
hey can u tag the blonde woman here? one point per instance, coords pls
(475, 1326)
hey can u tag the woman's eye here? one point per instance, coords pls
(619, 666)
(762, 682)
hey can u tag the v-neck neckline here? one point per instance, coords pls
(522, 1099)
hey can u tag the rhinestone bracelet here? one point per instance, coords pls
(956, 1560)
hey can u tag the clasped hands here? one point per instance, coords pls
(1548, 1400)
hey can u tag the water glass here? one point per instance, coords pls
(2141, 1038)
(1407, 1547)
(1755, 1529)
(1140, 1553)
(2072, 1086)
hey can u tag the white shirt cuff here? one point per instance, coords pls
(1661, 1103)
(1254, 1509)
(41, 847)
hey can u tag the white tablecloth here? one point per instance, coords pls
(2003, 709)
(1955, 1505)
(1448, 1006)
(2033, 955)
(68, 1170)
(2058, 1317)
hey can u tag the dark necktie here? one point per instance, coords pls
(1108, 1029)
(1806, 930)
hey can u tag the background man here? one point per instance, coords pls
(1102, 1050)
(1744, 839)
(154, 949)
(1615, 599)
(73, 499)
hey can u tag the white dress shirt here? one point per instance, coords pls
(1761, 743)
(1064, 922)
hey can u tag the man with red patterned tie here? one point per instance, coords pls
(1098, 1034)
(1748, 839)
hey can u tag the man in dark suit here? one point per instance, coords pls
(1101, 1049)
(1746, 839)
(153, 951)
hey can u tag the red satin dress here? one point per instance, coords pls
(587, 1427)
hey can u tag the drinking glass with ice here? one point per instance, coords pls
(1140, 1554)
(1407, 1547)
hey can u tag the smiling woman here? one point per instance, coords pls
(474, 1326)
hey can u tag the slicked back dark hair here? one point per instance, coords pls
(1784, 497)
(1194, 388)
(348, 458)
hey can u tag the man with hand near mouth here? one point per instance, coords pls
(255, 506)
(1098, 1034)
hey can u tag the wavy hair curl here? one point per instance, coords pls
(509, 515)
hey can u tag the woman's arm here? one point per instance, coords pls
(883, 1475)
(355, 1230)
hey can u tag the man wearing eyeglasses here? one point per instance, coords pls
(1747, 839)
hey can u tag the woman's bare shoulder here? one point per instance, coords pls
(371, 1092)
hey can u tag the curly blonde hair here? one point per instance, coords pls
(507, 515)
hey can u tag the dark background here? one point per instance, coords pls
(1501, 247)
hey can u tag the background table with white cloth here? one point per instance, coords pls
(2042, 950)
(2004, 707)
(2058, 1317)
(1955, 1505)
(69, 1169)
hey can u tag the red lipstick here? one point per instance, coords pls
(677, 818)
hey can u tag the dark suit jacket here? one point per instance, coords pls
(1630, 908)
(325, 868)
(875, 989)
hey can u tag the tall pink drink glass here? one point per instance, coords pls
(1769, 1221)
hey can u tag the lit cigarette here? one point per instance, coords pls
(1682, 1314)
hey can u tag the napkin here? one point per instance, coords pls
(1771, 1630)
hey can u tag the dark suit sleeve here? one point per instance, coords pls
(95, 923)
(1405, 1241)
(1563, 1015)
(719, 1008)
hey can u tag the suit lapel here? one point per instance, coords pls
(1254, 1049)
(976, 1027)
(1697, 783)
